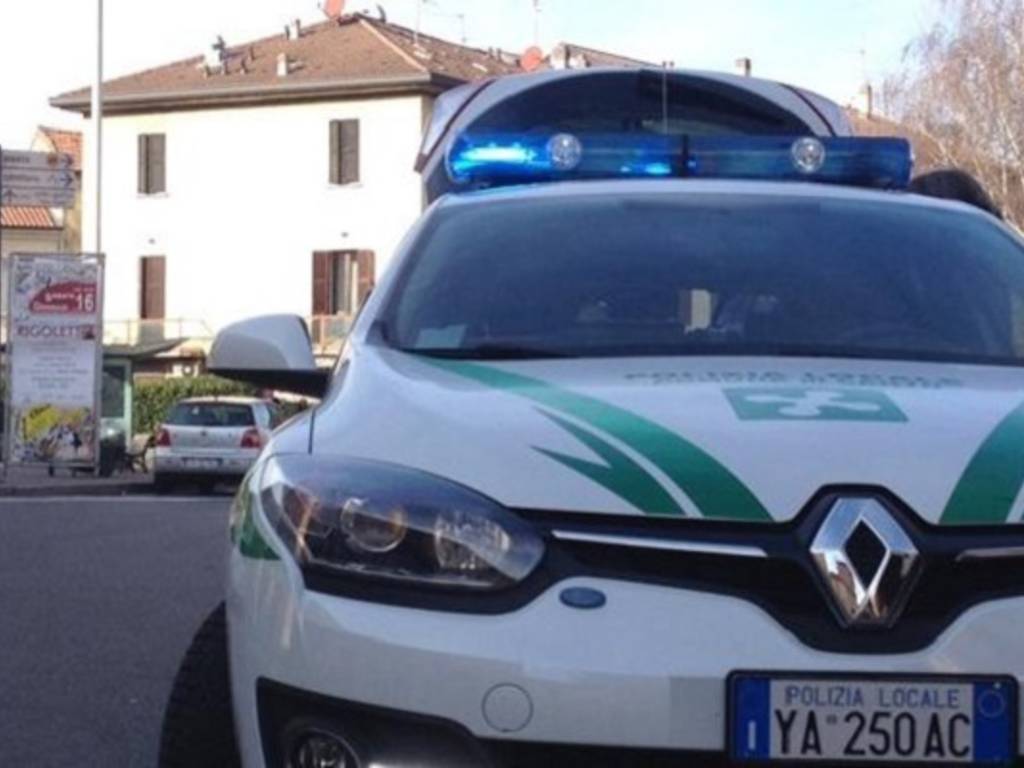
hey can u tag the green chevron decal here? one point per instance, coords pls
(988, 487)
(243, 531)
(620, 474)
(716, 491)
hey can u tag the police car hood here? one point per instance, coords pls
(741, 439)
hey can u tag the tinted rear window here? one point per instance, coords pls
(640, 101)
(210, 415)
(657, 275)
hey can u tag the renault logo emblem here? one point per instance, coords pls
(867, 561)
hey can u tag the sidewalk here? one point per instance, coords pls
(35, 481)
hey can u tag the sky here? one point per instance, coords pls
(832, 46)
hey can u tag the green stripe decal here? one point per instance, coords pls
(716, 491)
(620, 474)
(986, 491)
(243, 530)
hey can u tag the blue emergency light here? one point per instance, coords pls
(495, 160)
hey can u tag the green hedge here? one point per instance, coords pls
(153, 398)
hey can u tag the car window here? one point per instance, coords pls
(263, 417)
(649, 275)
(211, 415)
(639, 101)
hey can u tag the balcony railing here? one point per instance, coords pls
(328, 332)
(139, 332)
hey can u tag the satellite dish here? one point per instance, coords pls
(333, 9)
(531, 59)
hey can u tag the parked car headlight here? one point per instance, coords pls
(378, 520)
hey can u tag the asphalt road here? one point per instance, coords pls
(98, 601)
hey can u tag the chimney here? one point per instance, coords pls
(866, 100)
(744, 66)
(333, 9)
(283, 65)
(295, 29)
(560, 56)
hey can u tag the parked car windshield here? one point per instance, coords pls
(654, 274)
(210, 415)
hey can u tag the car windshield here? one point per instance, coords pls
(210, 415)
(656, 274)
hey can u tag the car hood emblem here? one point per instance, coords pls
(867, 561)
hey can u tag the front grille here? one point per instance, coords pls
(785, 582)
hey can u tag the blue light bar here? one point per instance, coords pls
(884, 163)
(494, 159)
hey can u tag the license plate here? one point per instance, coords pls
(873, 719)
(203, 463)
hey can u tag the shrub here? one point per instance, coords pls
(153, 398)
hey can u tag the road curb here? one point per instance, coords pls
(83, 489)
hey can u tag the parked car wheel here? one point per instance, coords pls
(198, 727)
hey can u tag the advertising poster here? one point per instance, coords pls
(55, 347)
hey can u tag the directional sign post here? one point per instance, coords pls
(37, 178)
(44, 179)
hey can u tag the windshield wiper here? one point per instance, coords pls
(491, 352)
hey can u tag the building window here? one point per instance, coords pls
(152, 287)
(152, 163)
(344, 152)
(341, 281)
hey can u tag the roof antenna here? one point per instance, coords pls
(665, 65)
(382, 13)
(536, 22)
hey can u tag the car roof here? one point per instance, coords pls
(470, 102)
(221, 400)
(696, 188)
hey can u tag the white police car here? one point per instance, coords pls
(699, 450)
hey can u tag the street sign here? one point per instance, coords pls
(43, 160)
(34, 196)
(37, 178)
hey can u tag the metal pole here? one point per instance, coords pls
(97, 119)
(7, 342)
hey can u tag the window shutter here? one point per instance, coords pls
(158, 163)
(349, 151)
(366, 261)
(335, 152)
(153, 296)
(143, 163)
(322, 283)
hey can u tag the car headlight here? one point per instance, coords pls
(372, 519)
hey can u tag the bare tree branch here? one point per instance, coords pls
(959, 94)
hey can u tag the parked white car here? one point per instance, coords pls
(206, 440)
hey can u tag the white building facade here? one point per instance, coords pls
(247, 203)
(281, 183)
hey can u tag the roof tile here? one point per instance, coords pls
(65, 142)
(25, 217)
(353, 48)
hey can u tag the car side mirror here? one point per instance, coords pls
(273, 351)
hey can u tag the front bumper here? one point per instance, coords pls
(642, 677)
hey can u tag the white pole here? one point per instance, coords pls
(97, 119)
